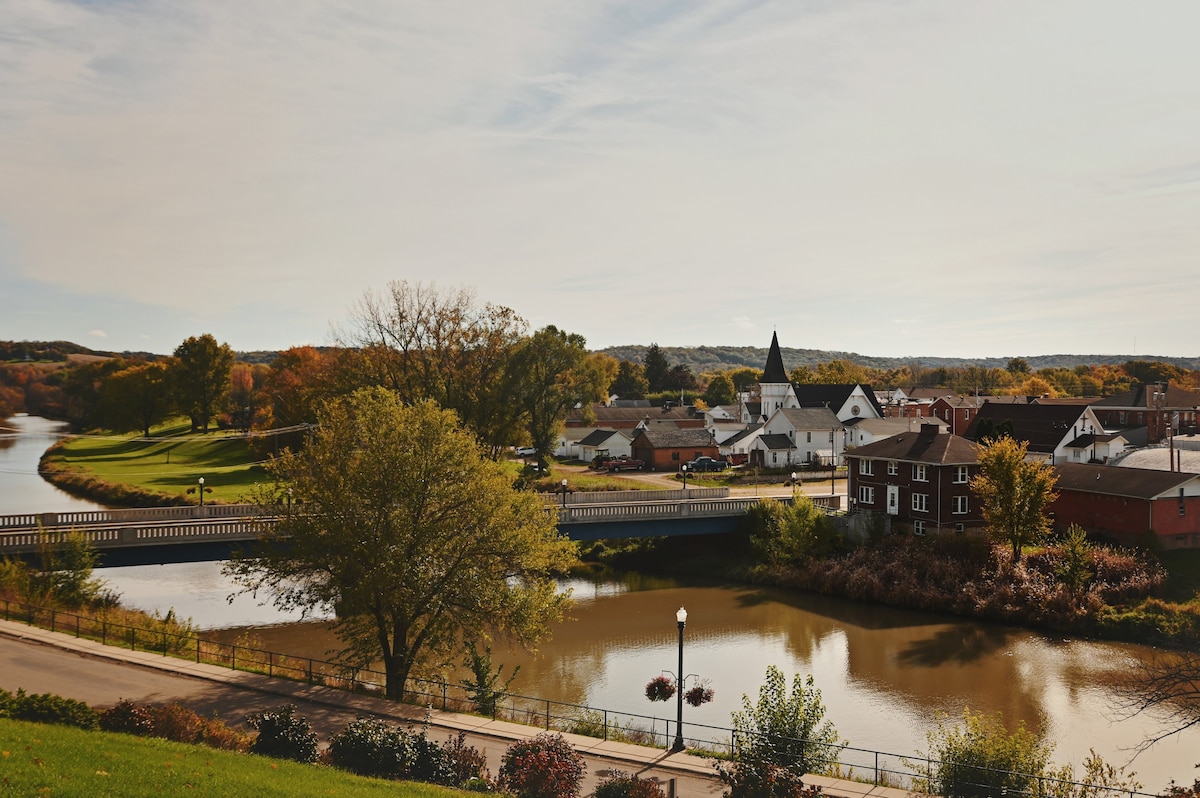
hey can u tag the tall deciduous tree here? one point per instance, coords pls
(630, 382)
(200, 375)
(412, 534)
(1013, 493)
(428, 343)
(719, 391)
(551, 374)
(136, 397)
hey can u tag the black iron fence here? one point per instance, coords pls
(909, 771)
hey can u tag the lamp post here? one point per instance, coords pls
(832, 459)
(684, 469)
(201, 491)
(289, 501)
(564, 493)
(681, 619)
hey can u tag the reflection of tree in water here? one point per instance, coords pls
(959, 644)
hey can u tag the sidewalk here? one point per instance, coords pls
(693, 775)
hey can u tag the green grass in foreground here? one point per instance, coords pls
(36, 759)
(172, 463)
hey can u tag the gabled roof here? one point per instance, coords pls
(630, 403)
(1138, 483)
(748, 431)
(1143, 397)
(779, 443)
(810, 417)
(774, 373)
(1085, 441)
(832, 396)
(1043, 426)
(896, 426)
(940, 448)
(665, 436)
(600, 436)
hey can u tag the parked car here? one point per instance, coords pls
(526, 451)
(707, 464)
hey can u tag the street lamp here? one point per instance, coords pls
(795, 477)
(289, 501)
(564, 493)
(681, 619)
(684, 469)
(201, 491)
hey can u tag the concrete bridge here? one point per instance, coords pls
(184, 534)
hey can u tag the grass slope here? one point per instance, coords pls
(36, 759)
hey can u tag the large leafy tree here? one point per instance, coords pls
(136, 398)
(427, 343)
(657, 368)
(719, 391)
(630, 382)
(1014, 493)
(411, 533)
(200, 374)
(551, 374)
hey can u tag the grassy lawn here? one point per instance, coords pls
(171, 463)
(36, 759)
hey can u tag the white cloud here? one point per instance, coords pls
(1020, 177)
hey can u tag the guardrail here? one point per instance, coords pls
(887, 769)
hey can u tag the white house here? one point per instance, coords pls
(862, 431)
(606, 443)
(795, 435)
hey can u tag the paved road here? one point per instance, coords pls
(33, 659)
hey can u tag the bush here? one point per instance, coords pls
(127, 717)
(789, 731)
(543, 767)
(370, 747)
(979, 758)
(623, 785)
(747, 779)
(282, 735)
(50, 708)
(467, 763)
(177, 722)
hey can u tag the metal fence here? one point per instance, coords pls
(906, 771)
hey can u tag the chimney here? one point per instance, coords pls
(929, 430)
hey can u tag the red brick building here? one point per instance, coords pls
(1127, 504)
(666, 447)
(920, 479)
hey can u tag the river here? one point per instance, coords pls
(884, 673)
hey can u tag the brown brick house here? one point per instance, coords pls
(920, 479)
(1126, 504)
(665, 447)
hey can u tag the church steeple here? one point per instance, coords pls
(774, 373)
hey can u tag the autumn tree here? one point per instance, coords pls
(630, 382)
(719, 391)
(745, 379)
(137, 397)
(200, 376)
(1013, 493)
(411, 533)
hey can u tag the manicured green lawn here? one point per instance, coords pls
(172, 462)
(36, 759)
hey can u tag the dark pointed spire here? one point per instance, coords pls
(774, 373)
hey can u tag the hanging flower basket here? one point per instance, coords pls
(660, 688)
(700, 694)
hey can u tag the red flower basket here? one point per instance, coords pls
(700, 694)
(660, 688)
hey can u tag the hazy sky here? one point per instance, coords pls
(891, 178)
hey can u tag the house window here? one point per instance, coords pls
(920, 502)
(966, 414)
(866, 495)
(959, 528)
(960, 504)
(893, 467)
(960, 475)
(1121, 417)
(809, 438)
(919, 473)
(674, 455)
(918, 527)
(866, 468)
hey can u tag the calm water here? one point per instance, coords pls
(884, 673)
(23, 440)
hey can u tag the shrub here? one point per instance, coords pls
(623, 785)
(787, 730)
(466, 763)
(127, 717)
(747, 779)
(979, 758)
(545, 766)
(50, 708)
(368, 747)
(484, 687)
(176, 722)
(282, 735)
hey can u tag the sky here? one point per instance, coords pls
(890, 178)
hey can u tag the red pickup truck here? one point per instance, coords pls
(623, 464)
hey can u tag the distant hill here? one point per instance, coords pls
(716, 358)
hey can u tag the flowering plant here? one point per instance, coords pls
(700, 694)
(660, 688)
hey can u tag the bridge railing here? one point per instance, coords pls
(78, 518)
(625, 496)
(906, 771)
